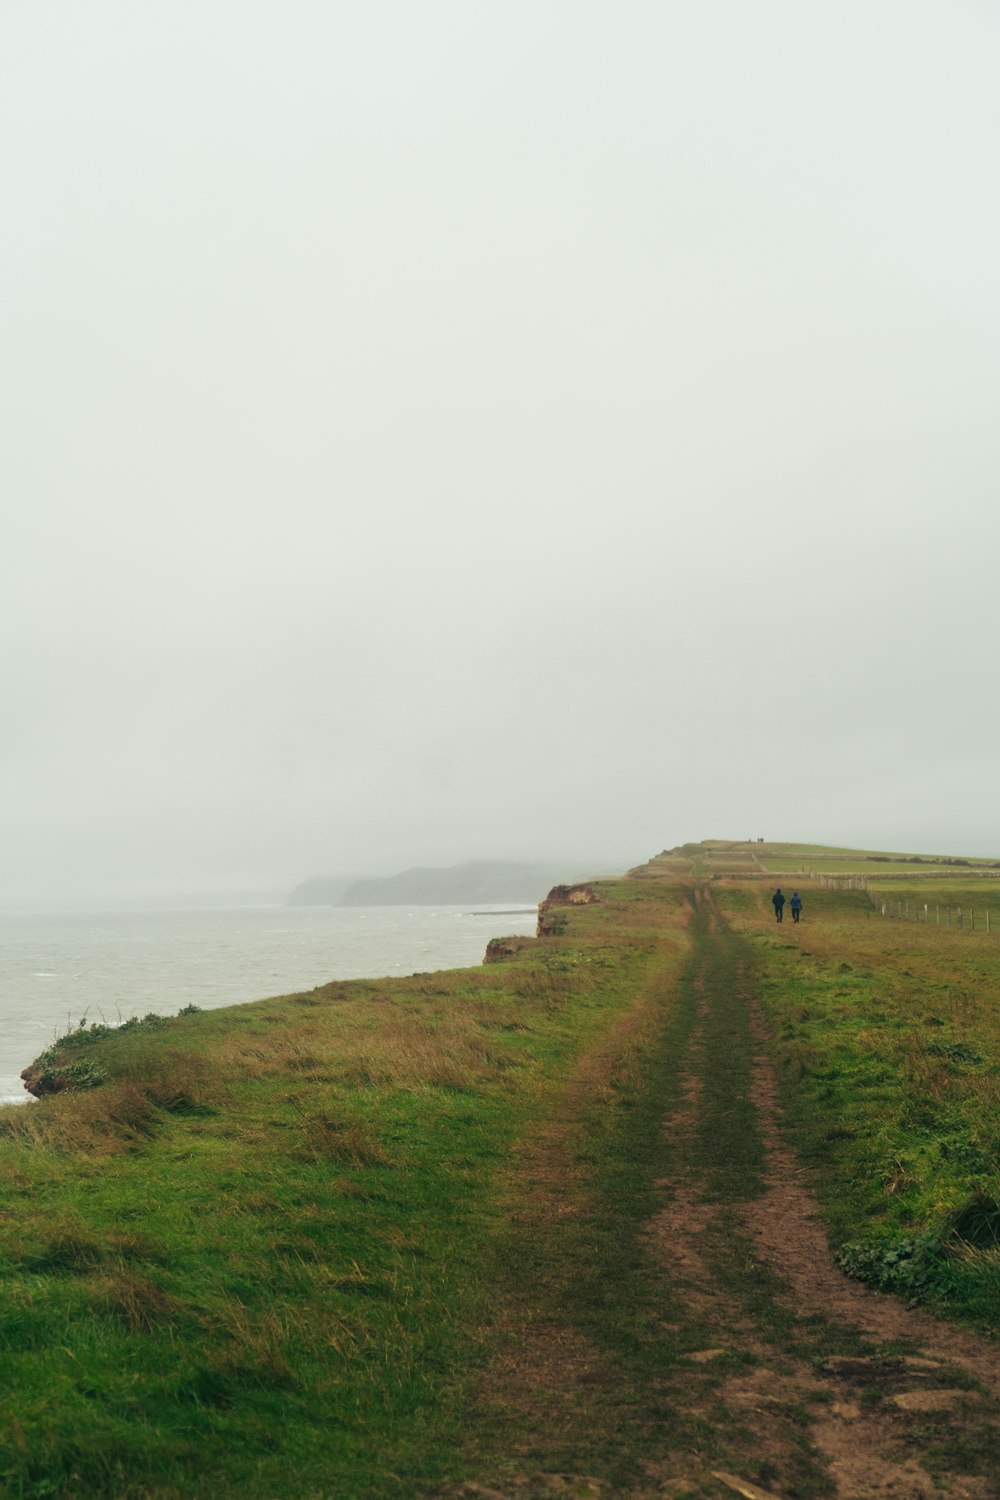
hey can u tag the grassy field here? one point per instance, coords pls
(943, 900)
(750, 856)
(782, 859)
(381, 1238)
(265, 1240)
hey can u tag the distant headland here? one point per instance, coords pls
(487, 880)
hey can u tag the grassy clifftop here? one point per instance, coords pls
(262, 1240)
(294, 1247)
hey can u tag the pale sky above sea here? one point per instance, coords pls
(458, 430)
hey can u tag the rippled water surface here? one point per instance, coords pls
(108, 966)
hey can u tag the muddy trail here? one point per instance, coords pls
(710, 1346)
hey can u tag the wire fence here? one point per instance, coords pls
(929, 913)
(960, 918)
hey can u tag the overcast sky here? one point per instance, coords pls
(548, 428)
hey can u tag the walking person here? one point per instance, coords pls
(778, 902)
(796, 905)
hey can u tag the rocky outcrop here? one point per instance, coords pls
(41, 1077)
(552, 921)
(32, 1077)
(499, 948)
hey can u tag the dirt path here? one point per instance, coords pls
(915, 1389)
(779, 1377)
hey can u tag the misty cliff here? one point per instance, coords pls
(487, 880)
(320, 890)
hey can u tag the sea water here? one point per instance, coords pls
(58, 970)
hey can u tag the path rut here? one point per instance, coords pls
(915, 1384)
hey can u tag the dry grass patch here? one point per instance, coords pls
(298, 1049)
(135, 1300)
(117, 1116)
(102, 1122)
(262, 1343)
(348, 1142)
(381, 1042)
(405, 1057)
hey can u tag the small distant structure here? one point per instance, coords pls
(760, 841)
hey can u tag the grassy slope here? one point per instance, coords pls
(278, 1242)
(265, 1244)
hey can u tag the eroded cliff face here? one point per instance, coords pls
(30, 1077)
(40, 1079)
(499, 948)
(550, 921)
(44, 1076)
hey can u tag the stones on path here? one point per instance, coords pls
(871, 1370)
(563, 1486)
(744, 1487)
(845, 1411)
(927, 1400)
(868, 1371)
(914, 1365)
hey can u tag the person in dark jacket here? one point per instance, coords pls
(796, 905)
(778, 902)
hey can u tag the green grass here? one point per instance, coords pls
(873, 869)
(823, 857)
(290, 1245)
(887, 1036)
(944, 902)
(255, 1243)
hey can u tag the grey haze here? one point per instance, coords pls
(536, 431)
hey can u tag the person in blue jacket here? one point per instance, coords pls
(778, 902)
(796, 905)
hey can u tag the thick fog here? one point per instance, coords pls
(549, 429)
